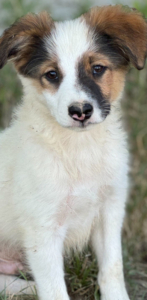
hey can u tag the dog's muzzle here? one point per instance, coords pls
(80, 111)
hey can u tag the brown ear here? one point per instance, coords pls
(125, 28)
(23, 37)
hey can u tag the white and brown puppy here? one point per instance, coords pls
(64, 159)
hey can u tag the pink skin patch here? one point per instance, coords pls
(75, 116)
(10, 267)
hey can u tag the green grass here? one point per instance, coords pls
(135, 108)
(81, 275)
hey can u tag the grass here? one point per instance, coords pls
(23, 276)
(81, 276)
(135, 107)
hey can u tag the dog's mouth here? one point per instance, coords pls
(84, 117)
(83, 125)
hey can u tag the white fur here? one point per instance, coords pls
(59, 188)
(69, 42)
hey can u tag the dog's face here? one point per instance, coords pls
(78, 66)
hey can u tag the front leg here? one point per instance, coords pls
(106, 241)
(46, 262)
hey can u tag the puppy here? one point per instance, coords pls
(64, 159)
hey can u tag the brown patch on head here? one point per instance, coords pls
(121, 30)
(117, 81)
(39, 88)
(44, 82)
(89, 82)
(23, 42)
(113, 83)
(107, 86)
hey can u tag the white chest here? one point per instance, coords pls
(80, 206)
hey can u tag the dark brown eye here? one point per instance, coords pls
(52, 76)
(98, 70)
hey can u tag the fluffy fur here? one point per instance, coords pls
(63, 177)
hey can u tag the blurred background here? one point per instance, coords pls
(135, 114)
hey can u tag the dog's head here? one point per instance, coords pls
(78, 66)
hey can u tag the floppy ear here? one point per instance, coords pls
(23, 37)
(125, 29)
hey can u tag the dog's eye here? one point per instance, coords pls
(52, 76)
(98, 70)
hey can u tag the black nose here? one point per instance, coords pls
(80, 112)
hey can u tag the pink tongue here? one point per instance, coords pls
(75, 116)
